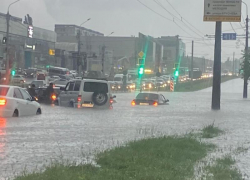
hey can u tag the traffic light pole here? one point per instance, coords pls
(246, 54)
(192, 62)
(7, 73)
(216, 92)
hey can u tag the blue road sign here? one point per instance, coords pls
(229, 36)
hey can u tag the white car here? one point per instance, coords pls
(17, 80)
(15, 102)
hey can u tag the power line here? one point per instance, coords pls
(154, 11)
(159, 4)
(232, 27)
(163, 16)
(183, 18)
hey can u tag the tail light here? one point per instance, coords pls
(133, 103)
(53, 97)
(3, 102)
(111, 101)
(79, 98)
(155, 104)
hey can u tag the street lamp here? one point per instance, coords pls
(85, 21)
(79, 46)
(7, 73)
(110, 34)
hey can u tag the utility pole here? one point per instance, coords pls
(79, 51)
(192, 62)
(217, 68)
(233, 64)
(7, 73)
(246, 53)
(103, 57)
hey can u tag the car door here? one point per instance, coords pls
(21, 103)
(66, 95)
(31, 107)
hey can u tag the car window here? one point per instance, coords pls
(25, 94)
(147, 96)
(17, 94)
(77, 86)
(70, 86)
(4, 91)
(95, 87)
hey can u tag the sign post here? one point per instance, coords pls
(220, 11)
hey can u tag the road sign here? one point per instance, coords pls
(141, 54)
(229, 36)
(222, 10)
(141, 61)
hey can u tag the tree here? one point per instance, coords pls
(245, 66)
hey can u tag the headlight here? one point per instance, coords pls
(119, 87)
(113, 87)
(168, 82)
(150, 85)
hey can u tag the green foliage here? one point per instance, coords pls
(245, 65)
(165, 158)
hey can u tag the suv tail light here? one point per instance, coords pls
(111, 101)
(79, 98)
(3, 102)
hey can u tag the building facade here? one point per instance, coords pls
(25, 51)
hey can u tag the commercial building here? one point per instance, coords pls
(28, 46)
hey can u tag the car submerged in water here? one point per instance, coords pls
(149, 99)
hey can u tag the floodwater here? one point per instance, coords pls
(73, 134)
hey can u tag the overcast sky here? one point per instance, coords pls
(128, 17)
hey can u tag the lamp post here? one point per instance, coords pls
(103, 52)
(79, 46)
(7, 73)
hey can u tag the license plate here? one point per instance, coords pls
(144, 104)
(88, 105)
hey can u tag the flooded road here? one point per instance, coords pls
(31, 142)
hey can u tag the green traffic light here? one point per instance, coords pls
(176, 73)
(13, 72)
(141, 71)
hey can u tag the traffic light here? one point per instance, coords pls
(4, 41)
(176, 73)
(13, 72)
(141, 70)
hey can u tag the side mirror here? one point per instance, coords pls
(62, 89)
(114, 96)
(167, 101)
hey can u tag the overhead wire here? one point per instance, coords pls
(232, 27)
(164, 17)
(182, 18)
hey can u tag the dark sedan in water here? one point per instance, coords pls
(147, 99)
